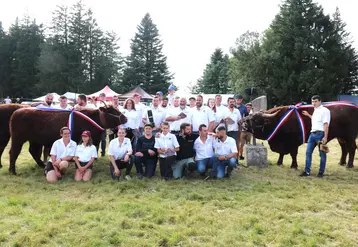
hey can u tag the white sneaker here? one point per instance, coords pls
(127, 177)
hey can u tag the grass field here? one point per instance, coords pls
(256, 207)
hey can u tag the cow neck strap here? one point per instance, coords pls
(285, 117)
(70, 119)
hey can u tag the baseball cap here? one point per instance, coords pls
(86, 133)
(148, 125)
(171, 87)
(159, 92)
(238, 96)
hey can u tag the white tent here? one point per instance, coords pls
(71, 95)
(56, 98)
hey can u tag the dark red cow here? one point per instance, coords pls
(41, 127)
(343, 126)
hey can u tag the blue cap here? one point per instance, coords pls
(171, 87)
(159, 92)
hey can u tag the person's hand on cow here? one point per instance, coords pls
(305, 113)
(151, 152)
(139, 154)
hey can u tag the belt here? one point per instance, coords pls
(317, 131)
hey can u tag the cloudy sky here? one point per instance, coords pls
(190, 30)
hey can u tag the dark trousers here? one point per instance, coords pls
(121, 165)
(149, 165)
(165, 165)
(103, 142)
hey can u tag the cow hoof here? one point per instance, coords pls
(294, 167)
(350, 166)
(279, 164)
(41, 165)
(342, 164)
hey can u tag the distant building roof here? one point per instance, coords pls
(137, 90)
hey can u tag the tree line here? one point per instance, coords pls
(74, 54)
(302, 53)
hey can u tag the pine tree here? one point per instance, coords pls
(146, 65)
(5, 62)
(215, 78)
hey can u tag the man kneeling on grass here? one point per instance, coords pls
(85, 155)
(61, 152)
(225, 153)
(119, 151)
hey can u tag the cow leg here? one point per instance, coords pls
(46, 153)
(35, 150)
(352, 146)
(343, 145)
(15, 149)
(4, 140)
(280, 159)
(294, 159)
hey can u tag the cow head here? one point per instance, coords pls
(260, 124)
(110, 117)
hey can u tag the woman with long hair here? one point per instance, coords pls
(133, 122)
(86, 153)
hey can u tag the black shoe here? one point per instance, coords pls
(320, 175)
(140, 176)
(242, 157)
(304, 174)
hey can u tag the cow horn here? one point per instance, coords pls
(104, 103)
(270, 115)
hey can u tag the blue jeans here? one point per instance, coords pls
(311, 144)
(220, 166)
(204, 164)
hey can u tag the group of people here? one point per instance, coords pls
(182, 137)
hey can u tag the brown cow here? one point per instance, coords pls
(41, 127)
(343, 126)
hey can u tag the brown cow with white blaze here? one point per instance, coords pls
(343, 126)
(42, 127)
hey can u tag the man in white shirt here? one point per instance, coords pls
(44, 104)
(119, 152)
(82, 103)
(177, 116)
(167, 146)
(154, 115)
(165, 105)
(62, 152)
(204, 150)
(225, 153)
(171, 94)
(202, 115)
(192, 102)
(63, 104)
(320, 118)
(231, 118)
(7, 100)
(140, 108)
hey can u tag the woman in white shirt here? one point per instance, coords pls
(120, 151)
(85, 155)
(133, 121)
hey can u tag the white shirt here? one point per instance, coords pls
(174, 112)
(140, 108)
(158, 116)
(204, 150)
(203, 116)
(166, 141)
(219, 114)
(43, 106)
(235, 115)
(132, 119)
(225, 148)
(171, 98)
(85, 154)
(7, 101)
(320, 116)
(119, 150)
(60, 150)
(68, 107)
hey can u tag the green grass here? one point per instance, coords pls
(256, 207)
